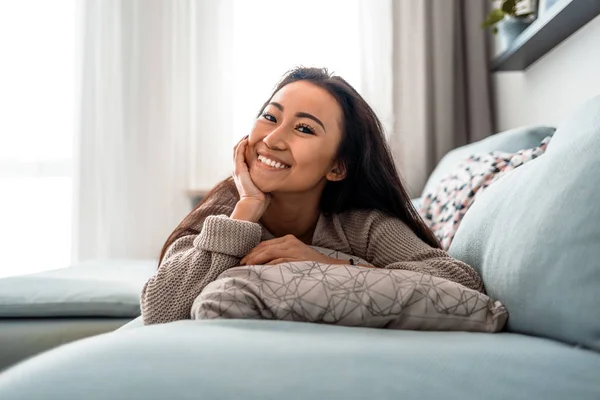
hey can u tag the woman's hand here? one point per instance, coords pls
(288, 249)
(253, 202)
(283, 249)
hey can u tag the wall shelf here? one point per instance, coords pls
(556, 24)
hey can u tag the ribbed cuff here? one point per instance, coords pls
(223, 235)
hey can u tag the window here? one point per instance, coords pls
(37, 124)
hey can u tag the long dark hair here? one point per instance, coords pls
(372, 181)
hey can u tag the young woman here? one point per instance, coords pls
(315, 170)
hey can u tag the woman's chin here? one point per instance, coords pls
(261, 183)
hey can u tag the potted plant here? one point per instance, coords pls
(509, 20)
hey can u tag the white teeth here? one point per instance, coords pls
(271, 163)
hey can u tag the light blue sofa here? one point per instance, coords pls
(43, 310)
(535, 238)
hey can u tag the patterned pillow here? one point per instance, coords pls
(443, 207)
(348, 295)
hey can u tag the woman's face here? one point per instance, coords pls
(299, 132)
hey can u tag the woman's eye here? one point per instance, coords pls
(305, 129)
(269, 117)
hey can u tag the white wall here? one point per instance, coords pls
(555, 84)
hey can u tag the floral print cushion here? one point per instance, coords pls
(444, 207)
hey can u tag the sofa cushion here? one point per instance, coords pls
(21, 338)
(509, 141)
(534, 236)
(254, 359)
(135, 323)
(89, 289)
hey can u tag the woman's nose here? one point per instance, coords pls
(276, 139)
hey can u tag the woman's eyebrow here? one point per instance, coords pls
(300, 114)
(310, 116)
(276, 104)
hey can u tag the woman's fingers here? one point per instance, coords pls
(238, 143)
(279, 244)
(262, 254)
(235, 147)
(270, 242)
(239, 157)
(245, 186)
(247, 189)
(258, 258)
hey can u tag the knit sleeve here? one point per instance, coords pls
(192, 262)
(389, 243)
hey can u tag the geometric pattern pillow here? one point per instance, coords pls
(444, 206)
(349, 295)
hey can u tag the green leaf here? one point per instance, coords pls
(495, 16)
(509, 7)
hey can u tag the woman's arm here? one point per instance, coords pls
(193, 261)
(389, 243)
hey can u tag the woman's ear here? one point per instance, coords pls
(336, 173)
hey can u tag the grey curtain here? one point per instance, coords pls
(441, 91)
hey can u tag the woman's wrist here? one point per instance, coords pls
(246, 210)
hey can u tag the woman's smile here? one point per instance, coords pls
(270, 165)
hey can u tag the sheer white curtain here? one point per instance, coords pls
(135, 126)
(37, 123)
(167, 88)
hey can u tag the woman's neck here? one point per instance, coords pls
(292, 214)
